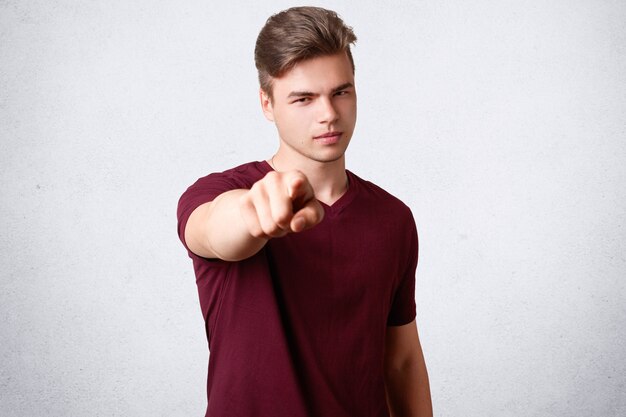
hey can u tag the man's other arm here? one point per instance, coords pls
(238, 223)
(406, 378)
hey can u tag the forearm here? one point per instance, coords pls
(217, 230)
(408, 389)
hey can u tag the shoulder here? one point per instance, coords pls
(375, 196)
(393, 219)
(242, 176)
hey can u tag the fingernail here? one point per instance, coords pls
(298, 224)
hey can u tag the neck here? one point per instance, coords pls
(328, 179)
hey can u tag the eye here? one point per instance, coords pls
(302, 100)
(341, 93)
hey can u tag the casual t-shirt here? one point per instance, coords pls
(299, 328)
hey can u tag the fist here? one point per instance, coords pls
(280, 203)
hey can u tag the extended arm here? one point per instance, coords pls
(406, 378)
(238, 223)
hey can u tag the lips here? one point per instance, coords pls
(329, 138)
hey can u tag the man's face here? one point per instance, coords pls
(314, 108)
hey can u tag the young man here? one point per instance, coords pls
(306, 273)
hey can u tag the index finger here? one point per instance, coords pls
(299, 189)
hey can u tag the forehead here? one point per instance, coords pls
(318, 75)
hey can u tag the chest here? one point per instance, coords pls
(346, 259)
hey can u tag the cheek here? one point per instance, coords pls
(292, 122)
(348, 109)
(347, 103)
(296, 118)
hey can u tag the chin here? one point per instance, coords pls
(328, 158)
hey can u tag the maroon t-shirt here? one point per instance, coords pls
(299, 328)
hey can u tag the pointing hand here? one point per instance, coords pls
(280, 203)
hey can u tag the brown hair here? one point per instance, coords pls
(298, 34)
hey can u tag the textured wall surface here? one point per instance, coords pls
(501, 123)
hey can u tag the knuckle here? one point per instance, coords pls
(256, 232)
(255, 189)
(245, 201)
(282, 216)
(254, 228)
(271, 177)
(299, 175)
(271, 230)
(257, 194)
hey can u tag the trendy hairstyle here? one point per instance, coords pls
(298, 34)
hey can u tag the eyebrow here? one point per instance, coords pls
(310, 94)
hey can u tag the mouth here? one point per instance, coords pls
(328, 138)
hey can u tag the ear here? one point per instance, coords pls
(266, 105)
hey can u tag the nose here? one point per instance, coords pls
(327, 112)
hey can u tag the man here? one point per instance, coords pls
(306, 273)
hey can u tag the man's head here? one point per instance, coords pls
(298, 34)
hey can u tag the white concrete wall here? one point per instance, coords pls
(501, 123)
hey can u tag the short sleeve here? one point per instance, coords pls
(403, 306)
(206, 189)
